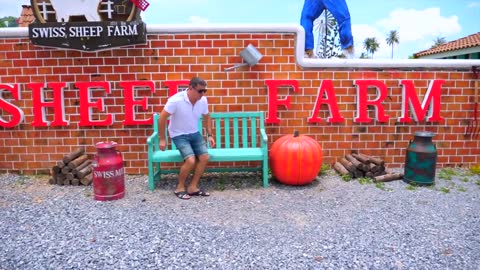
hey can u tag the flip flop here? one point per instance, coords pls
(200, 193)
(182, 195)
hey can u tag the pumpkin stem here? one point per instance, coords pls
(296, 133)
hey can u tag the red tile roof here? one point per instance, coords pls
(26, 17)
(462, 43)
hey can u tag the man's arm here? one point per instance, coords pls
(207, 118)
(161, 129)
(210, 138)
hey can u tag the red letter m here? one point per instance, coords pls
(431, 102)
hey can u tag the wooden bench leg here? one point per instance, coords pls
(265, 173)
(151, 176)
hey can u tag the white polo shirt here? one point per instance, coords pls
(184, 115)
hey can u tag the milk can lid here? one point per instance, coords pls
(105, 145)
(424, 134)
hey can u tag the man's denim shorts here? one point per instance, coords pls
(190, 144)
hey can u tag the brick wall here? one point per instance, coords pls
(169, 57)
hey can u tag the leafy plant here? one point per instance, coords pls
(461, 189)
(381, 186)
(475, 169)
(365, 180)
(22, 180)
(411, 187)
(346, 178)
(324, 169)
(237, 184)
(446, 173)
(445, 189)
(221, 182)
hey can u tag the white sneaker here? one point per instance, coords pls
(349, 52)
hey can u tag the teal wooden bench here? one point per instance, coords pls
(239, 136)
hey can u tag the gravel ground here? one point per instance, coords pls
(329, 224)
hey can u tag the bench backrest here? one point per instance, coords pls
(237, 129)
(231, 129)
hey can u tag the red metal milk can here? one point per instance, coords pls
(108, 173)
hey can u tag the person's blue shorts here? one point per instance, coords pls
(190, 144)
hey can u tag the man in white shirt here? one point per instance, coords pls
(185, 109)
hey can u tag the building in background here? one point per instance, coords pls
(26, 16)
(464, 48)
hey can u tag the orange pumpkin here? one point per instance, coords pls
(295, 159)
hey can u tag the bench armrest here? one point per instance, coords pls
(152, 140)
(263, 137)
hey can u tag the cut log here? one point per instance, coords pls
(66, 170)
(52, 181)
(388, 177)
(338, 167)
(59, 177)
(361, 157)
(76, 162)
(75, 154)
(361, 165)
(358, 174)
(85, 171)
(377, 161)
(357, 163)
(348, 165)
(87, 180)
(59, 181)
(378, 173)
(81, 166)
(56, 169)
(70, 176)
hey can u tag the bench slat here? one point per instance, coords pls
(235, 134)
(254, 132)
(226, 131)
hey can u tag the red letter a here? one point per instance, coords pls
(326, 89)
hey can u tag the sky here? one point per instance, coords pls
(418, 22)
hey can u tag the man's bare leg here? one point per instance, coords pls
(185, 170)
(199, 170)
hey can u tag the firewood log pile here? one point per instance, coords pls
(357, 165)
(74, 169)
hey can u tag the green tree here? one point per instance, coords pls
(9, 21)
(328, 42)
(371, 45)
(392, 39)
(438, 41)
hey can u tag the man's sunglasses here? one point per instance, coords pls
(201, 91)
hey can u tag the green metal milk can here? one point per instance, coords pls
(421, 159)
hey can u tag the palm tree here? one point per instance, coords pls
(392, 39)
(371, 45)
(438, 41)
